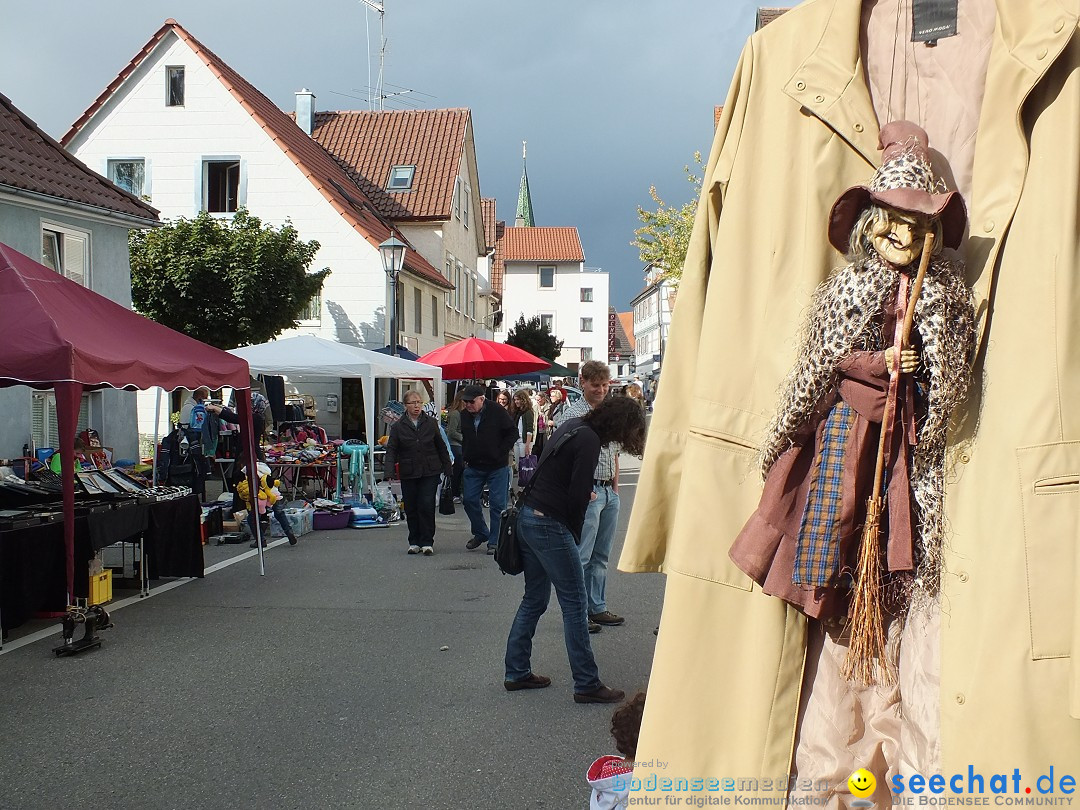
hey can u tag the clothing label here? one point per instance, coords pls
(932, 20)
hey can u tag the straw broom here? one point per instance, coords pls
(866, 659)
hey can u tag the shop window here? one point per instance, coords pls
(547, 278)
(586, 324)
(130, 175)
(67, 252)
(43, 424)
(586, 295)
(221, 186)
(174, 86)
(401, 178)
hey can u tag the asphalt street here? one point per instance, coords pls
(351, 676)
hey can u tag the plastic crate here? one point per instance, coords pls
(299, 519)
(100, 587)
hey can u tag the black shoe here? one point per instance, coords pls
(594, 627)
(606, 617)
(600, 694)
(491, 551)
(474, 542)
(534, 681)
(292, 539)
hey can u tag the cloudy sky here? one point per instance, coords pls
(611, 95)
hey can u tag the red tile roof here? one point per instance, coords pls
(368, 144)
(627, 321)
(32, 161)
(319, 168)
(498, 263)
(487, 211)
(542, 245)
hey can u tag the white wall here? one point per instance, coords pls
(522, 295)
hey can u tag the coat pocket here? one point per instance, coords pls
(1050, 497)
(719, 491)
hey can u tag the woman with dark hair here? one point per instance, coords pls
(453, 433)
(550, 529)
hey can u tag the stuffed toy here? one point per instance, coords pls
(850, 525)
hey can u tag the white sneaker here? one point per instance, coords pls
(428, 551)
(414, 549)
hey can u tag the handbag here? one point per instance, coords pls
(526, 469)
(446, 497)
(508, 546)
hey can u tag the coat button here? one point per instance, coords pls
(819, 98)
(960, 700)
(1058, 25)
(963, 577)
(1041, 54)
(988, 226)
(858, 127)
(964, 458)
(800, 85)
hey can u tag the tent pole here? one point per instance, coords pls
(248, 430)
(68, 396)
(157, 427)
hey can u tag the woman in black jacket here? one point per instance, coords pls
(549, 529)
(417, 448)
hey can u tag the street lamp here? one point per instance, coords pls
(393, 259)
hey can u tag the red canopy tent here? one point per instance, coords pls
(58, 334)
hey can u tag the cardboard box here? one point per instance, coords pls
(100, 587)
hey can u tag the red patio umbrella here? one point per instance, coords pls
(473, 358)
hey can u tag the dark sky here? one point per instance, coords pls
(611, 95)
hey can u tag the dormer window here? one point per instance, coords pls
(401, 178)
(174, 86)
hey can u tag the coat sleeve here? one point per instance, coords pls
(390, 459)
(662, 469)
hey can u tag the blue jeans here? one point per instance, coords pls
(597, 535)
(498, 483)
(551, 558)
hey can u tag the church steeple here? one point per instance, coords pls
(524, 217)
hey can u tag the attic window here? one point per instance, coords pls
(174, 86)
(401, 178)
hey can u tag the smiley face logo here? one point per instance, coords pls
(862, 783)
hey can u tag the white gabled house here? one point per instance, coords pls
(181, 128)
(543, 274)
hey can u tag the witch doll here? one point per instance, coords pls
(850, 525)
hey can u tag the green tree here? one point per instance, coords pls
(534, 337)
(664, 234)
(226, 283)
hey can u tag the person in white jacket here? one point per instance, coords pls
(609, 776)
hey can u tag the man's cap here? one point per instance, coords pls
(471, 392)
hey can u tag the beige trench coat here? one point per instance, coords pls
(797, 129)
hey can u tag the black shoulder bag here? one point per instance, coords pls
(508, 549)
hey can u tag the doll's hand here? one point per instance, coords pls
(909, 360)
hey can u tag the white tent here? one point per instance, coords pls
(312, 357)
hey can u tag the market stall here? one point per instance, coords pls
(311, 357)
(45, 343)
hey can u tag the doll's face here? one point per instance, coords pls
(898, 237)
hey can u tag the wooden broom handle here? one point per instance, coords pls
(890, 402)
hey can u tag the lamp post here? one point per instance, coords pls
(393, 259)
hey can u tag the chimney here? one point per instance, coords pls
(305, 110)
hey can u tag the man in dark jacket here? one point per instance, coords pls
(487, 434)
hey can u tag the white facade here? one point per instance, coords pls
(652, 319)
(558, 291)
(176, 144)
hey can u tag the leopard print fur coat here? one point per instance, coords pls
(845, 316)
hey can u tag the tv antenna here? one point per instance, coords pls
(379, 8)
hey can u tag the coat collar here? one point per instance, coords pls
(831, 82)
